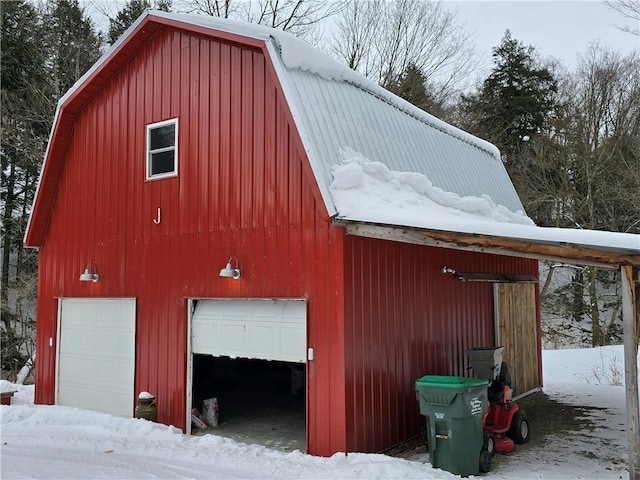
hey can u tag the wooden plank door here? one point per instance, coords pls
(517, 332)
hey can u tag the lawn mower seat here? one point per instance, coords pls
(495, 391)
(500, 389)
(505, 375)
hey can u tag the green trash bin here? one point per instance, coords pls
(454, 407)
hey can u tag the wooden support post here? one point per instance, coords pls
(630, 314)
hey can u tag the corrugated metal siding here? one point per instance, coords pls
(242, 190)
(405, 319)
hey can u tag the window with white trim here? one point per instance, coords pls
(162, 149)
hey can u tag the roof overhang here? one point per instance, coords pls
(567, 252)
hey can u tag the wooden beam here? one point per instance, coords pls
(514, 247)
(494, 277)
(631, 318)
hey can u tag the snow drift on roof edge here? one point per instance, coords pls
(366, 191)
(370, 191)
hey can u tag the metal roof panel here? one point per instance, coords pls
(338, 115)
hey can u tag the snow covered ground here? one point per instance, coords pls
(53, 442)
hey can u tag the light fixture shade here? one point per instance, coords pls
(87, 276)
(230, 272)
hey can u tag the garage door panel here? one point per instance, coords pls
(75, 393)
(84, 342)
(263, 339)
(291, 338)
(107, 399)
(265, 329)
(72, 366)
(96, 355)
(230, 337)
(110, 372)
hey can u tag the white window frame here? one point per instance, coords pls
(149, 157)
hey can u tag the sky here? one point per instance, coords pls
(56, 442)
(561, 29)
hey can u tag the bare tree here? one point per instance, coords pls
(356, 31)
(603, 144)
(381, 39)
(299, 17)
(288, 15)
(217, 8)
(629, 9)
(46, 47)
(605, 141)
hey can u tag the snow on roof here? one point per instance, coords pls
(366, 191)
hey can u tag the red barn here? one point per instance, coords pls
(189, 239)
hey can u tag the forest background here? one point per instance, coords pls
(569, 138)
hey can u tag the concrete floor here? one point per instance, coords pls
(280, 425)
(256, 405)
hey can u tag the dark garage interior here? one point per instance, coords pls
(259, 401)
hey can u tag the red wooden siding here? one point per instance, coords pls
(242, 190)
(404, 319)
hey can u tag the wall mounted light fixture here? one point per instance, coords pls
(229, 271)
(90, 276)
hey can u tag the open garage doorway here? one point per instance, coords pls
(259, 402)
(250, 356)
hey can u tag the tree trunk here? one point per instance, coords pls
(597, 338)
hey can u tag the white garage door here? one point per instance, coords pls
(261, 329)
(96, 354)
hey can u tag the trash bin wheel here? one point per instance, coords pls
(485, 461)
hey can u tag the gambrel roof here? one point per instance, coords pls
(337, 110)
(333, 107)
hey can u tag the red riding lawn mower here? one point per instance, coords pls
(504, 424)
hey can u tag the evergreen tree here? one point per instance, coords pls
(45, 50)
(412, 86)
(131, 11)
(516, 101)
(72, 41)
(26, 120)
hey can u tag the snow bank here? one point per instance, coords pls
(23, 395)
(593, 366)
(61, 442)
(53, 442)
(6, 386)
